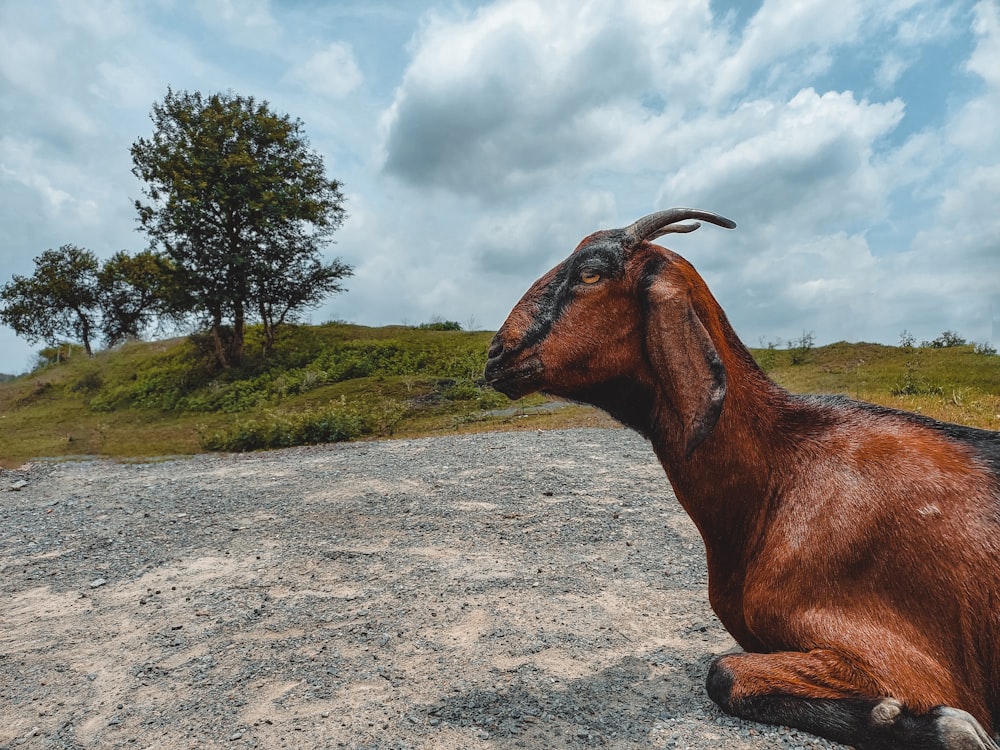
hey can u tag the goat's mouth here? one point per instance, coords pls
(513, 379)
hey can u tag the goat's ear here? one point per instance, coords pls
(684, 357)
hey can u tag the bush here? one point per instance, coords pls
(441, 325)
(333, 424)
(767, 358)
(464, 390)
(91, 381)
(490, 399)
(944, 341)
(913, 384)
(801, 347)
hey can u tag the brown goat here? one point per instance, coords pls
(853, 550)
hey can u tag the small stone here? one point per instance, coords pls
(97, 583)
(20, 484)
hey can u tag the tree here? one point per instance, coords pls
(132, 292)
(58, 300)
(242, 207)
(288, 285)
(72, 295)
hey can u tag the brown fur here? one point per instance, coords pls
(855, 552)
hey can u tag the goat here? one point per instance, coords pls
(853, 550)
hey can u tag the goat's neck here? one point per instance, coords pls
(727, 483)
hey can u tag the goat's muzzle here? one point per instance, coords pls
(513, 372)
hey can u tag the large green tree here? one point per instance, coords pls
(242, 208)
(59, 300)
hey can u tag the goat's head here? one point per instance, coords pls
(616, 324)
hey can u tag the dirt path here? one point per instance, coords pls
(508, 590)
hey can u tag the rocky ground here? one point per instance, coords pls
(505, 590)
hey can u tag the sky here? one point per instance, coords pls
(856, 145)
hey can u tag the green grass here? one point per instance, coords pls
(954, 384)
(345, 382)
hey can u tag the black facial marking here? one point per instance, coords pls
(650, 273)
(604, 255)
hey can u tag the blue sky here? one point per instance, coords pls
(854, 143)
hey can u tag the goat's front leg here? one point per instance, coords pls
(820, 693)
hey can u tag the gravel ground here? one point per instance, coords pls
(504, 590)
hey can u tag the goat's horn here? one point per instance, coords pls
(664, 222)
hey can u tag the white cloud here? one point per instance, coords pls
(246, 23)
(780, 30)
(331, 72)
(808, 160)
(954, 259)
(19, 162)
(889, 70)
(521, 93)
(124, 83)
(985, 60)
(106, 21)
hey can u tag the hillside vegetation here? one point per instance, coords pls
(341, 382)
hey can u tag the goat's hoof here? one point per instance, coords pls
(958, 730)
(886, 712)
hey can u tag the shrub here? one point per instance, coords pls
(801, 347)
(464, 390)
(914, 385)
(767, 358)
(335, 423)
(91, 381)
(441, 325)
(490, 399)
(945, 340)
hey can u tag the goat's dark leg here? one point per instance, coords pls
(815, 692)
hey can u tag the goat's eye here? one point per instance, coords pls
(590, 277)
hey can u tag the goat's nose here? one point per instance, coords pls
(495, 350)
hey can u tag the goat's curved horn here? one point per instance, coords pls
(664, 222)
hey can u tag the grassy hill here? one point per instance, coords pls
(340, 382)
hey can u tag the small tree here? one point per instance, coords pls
(241, 206)
(132, 292)
(290, 284)
(801, 347)
(58, 300)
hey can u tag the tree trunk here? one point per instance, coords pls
(220, 346)
(236, 345)
(268, 327)
(85, 334)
